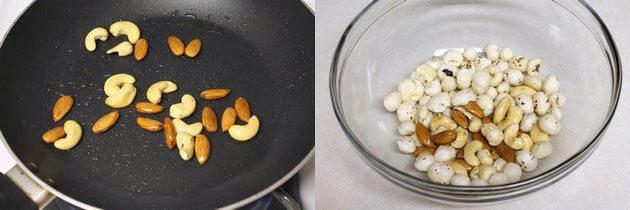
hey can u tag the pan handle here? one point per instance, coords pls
(286, 199)
(40, 196)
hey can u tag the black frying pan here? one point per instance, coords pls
(262, 50)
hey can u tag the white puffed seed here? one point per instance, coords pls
(406, 145)
(408, 110)
(439, 102)
(481, 82)
(440, 173)
(528, 122)
(425, 73)
(460, 180)
(448, 84)
(513, 76)
(410, 89)
(496, 79)
(433, 88)
(484, 157)
(518, 63)
(392, 101)
(526, 160)
(491, 47)
(498, 179)
(557, 112)
(513, 172)
(533, 66)
(464, 78)
(415, 140)
(499, 164)
(423, 100)
(435, 62)
(453, 57)
(487, 105)
(533, 82)
(542, 149)
(493, 55)
(446, 71)
(503, 87)
(541, 103)
(482, 62)
(486, 171)
(551, 84)
(493, 134)
(406, 128)
(502, 65)
(462, 97)
(470, 54)
(501, 96)
(424, 161)
(444, 153)
(478, 182)
(549, 124)
(492, 92)
(557, 99)
(525, 102)
(506, 54)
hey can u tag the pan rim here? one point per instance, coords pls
(83, 205)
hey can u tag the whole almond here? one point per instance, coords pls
(482, 139)
(176, 45)
(444, 137)
(424, 135)
(104, 123)
(214, 93)
(140, 49)
(460, 154)
(62, 107)
(202, 149)
(228, 118)
(474, 109)
(421, 149)
(149, 124)
(169, 133)
(463, 163)
(193, 47)
(242, 109)
(505, 152)
(149, 108)
(53, 135)
(209, 119)
(459, 118)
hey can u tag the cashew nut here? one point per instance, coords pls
(442, 121)
(538, 135)
(183, 109)
(154, 93)
(123, 97)
(484, 157)
(501, 110)
(510, 139)
(459, 169)
(492, 133)
(522, 89)
(483, 172)
(185, 144)
(527, 141)
(123, 49)
(475, 124)
(73, 135)
(96, 33)
(245, 132)
(499, 164)
(514, 116)
(460, 140)
(114, 82)
(470, 151)
(127, 28)
(533, 82)
(192, 129)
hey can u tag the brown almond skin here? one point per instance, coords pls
(424, 135)
(169, 133)
(193, 48)
(444, 137)
(149, 124)
(482, 139)
(106, 122)
(474, 109)
(62, 107)
(149, 108)
(459, 118)
(485, 120)
(214, 93)
(459, 154)
(53, 135)
(176, 45)
(140, 49)
(504, 151)
(242, 109)
(463, 163)
(209, 119)
(228, 118)
(421, 149)
(202, 149)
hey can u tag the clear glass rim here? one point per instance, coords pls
(556, 172)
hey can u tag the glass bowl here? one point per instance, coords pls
(389, 39)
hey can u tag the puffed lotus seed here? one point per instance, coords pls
(406, 128)
(453, 57)
(470, 54)
(478, 182)
(506, 54)
(513, 172)
(440, 173)
(406, 145)
(460, 180)
(424, 161)
(498, 179)
(392, 101)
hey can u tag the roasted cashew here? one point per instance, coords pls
(127, 28)
(73, 135)
(154, 93)
(245, 132)
(522, 89)
(483, 172)
(122, 98)
(457, 168)
(96, 33)
(470, 151)
(183, 109)
(123, 49)
(185, 144)
(442, 122)
(501, 110)
(192, 129)
(460, 140)
(538, 135)
(510, 139)
(514, 116)
(527, 141)
(484, 157)
(114, 82)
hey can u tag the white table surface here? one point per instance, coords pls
(344, 181)
(9, 12)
